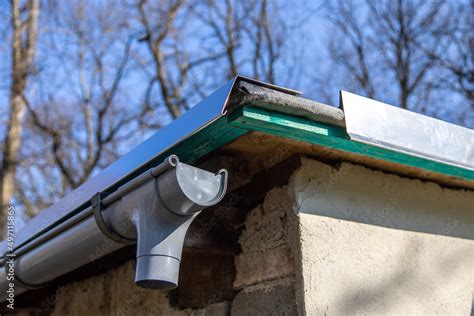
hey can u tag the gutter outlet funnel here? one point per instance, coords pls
(160, 212)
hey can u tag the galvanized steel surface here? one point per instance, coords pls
(191, 122)
(186, 125)
(379, 124)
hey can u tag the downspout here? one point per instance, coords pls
(154, 210)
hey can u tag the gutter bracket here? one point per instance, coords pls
(96, 202)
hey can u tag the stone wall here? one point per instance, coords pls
(265, 270)
(114, 293)
(264, 275)
(336, 240)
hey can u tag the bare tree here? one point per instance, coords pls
(77, 122)
(354, 57)
(24, 28)
(250, 34)
(381, 47)
(457, 62)
(155, 36)
(93, 57)
(226, 38)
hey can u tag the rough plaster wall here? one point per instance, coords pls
(374, 243)
(364, 242)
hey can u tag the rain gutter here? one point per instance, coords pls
(118, 205)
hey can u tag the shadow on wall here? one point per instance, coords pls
(376, 242)
(358, 194)
(388, 291)
(472, 307)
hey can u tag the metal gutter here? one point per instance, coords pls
(161, 144)
(141, 157)
(155, 204)
(154, 211)
(70, 227)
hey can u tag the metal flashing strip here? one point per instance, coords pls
(301, 129)
(200, 131)
(270, 86)
(385, 126)
(187, 136)
(144, 155)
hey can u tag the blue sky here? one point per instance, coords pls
(304, 64)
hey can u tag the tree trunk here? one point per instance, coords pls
(23, 48)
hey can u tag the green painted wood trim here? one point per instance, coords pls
(257, 119)
(216, 135)
(208, 139)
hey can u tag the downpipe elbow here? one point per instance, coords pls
(161, 211)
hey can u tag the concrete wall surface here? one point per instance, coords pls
(336, 240)
(377, 244)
